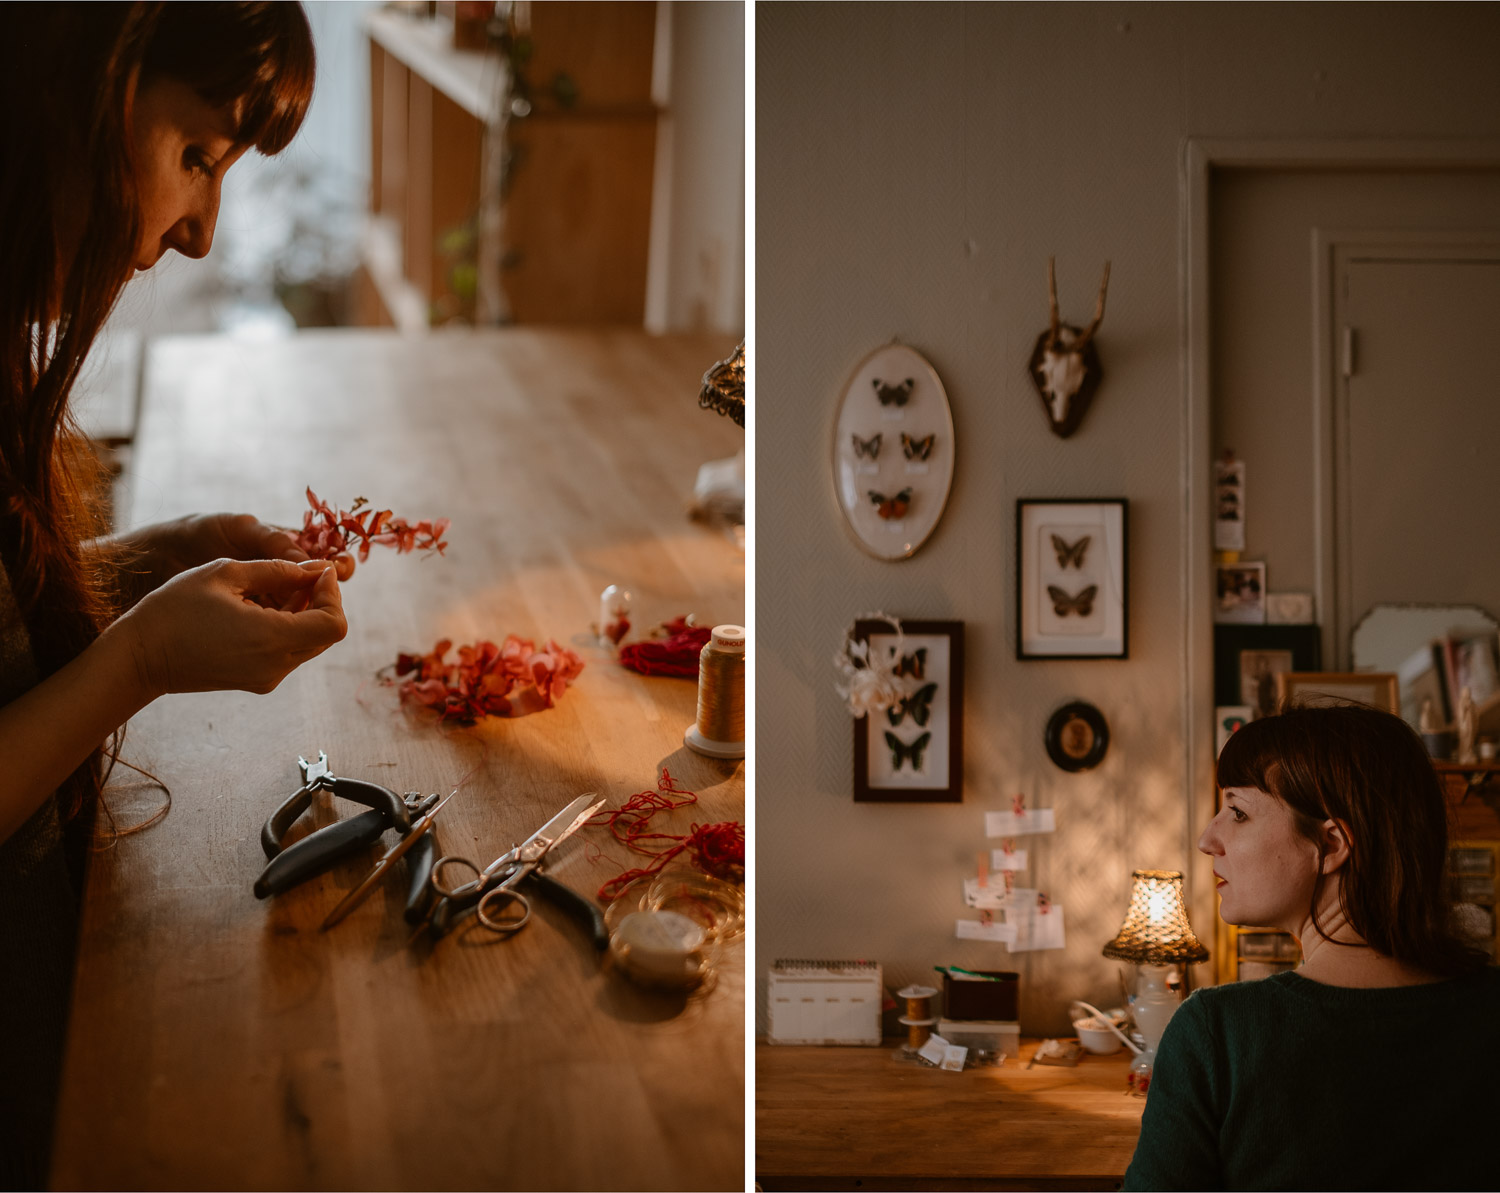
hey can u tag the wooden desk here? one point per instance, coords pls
(222, 1042)
(859, 1118)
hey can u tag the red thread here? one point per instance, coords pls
(716, 849)
(328, 531)
(675, 654)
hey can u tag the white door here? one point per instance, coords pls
(1417, 428)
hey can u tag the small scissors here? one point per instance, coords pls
(494, 886)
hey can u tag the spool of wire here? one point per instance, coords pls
(719, 730)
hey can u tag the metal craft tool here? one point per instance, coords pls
(493, 888)
(394, 854)
(317, 777)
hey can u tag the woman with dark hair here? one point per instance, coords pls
(120, 122)
(1372, 1065)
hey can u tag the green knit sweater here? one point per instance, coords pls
(1286, 1083)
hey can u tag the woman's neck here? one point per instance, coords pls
(1346, 960)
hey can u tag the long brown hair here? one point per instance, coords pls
(69, 222)
(1367, 769)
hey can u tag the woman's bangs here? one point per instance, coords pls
(1248, 757)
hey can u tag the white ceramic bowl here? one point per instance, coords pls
(1098, 1040)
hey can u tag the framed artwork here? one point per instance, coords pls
(1071, 579)
(913, 752)
(1227, 719)
(1077, 736)
(1379, 689)
(1247, 660)
(1240, 593)
(893, 452)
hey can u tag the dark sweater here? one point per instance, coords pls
(1286, 1083)
(38, 925)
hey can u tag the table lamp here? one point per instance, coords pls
(1155, 934)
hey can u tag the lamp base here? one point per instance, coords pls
(1153, 1006)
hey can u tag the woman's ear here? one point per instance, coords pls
(1333, 835)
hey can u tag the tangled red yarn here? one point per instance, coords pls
(716, 849)
(481, 679)
(328, 531)
(676, 653)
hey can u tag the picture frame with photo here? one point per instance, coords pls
(1240, 593)
(913, 751)
(1247, 659)
(1072, 578)
(1378, 689)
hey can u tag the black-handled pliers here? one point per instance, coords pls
(324, 848)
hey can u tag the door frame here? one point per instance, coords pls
(1333, 251)
(1199, 157)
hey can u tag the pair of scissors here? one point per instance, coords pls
(492, 892)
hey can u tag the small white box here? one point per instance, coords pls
(825, 1002)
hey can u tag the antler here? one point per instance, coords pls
(1078, 344)
(1052, 302)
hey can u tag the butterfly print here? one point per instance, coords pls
(893, 395)
(901, 750)
(914, 664)
(891, 508)
(1070, 553)
(919, 704)
(1082, 604)
(917, 449)
(869, 448)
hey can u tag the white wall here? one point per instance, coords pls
(916, 165)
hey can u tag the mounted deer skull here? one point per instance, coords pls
(1065, 364)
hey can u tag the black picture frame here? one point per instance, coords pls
(874, 783)
(1305, 642)
(1041, 627)
(1062, 752)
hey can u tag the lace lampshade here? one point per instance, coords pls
(724, 386)
(1156, 929)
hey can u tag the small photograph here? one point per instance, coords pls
(1240, 594)
(1227, 719)
(1258, 672)
(1229, 504)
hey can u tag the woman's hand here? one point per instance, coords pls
(167, 549)
(233, 625)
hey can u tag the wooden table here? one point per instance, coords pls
(219, 1041)
(861, 1118)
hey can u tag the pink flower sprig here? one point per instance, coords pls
(483, 678)
(328, 531)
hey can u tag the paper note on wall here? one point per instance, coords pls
(1014, 860)
(1012, 824)
(977, 930)
(1034, 928)
(988, 897)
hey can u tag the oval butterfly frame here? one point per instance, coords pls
(893, 452)
(1077, 736)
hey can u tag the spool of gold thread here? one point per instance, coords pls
(719, 730)
(918, 1018)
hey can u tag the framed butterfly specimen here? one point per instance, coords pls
(892, 500)
(1071, 578)
(912, 751)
